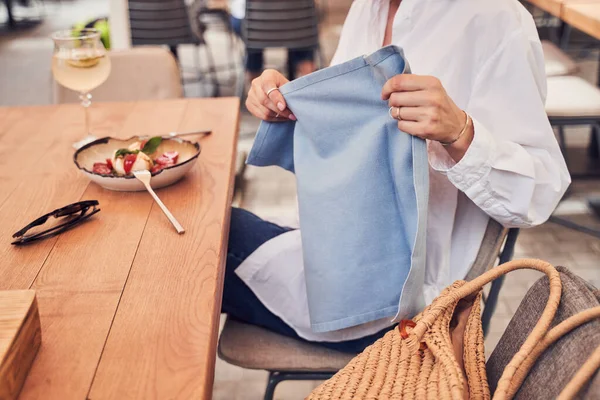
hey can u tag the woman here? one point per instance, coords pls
(472, 60)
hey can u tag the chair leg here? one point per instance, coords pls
(320, 57)
(509, 247)
(562, 141)
(291, 70)
(240, 89)
(490, 304)
(175, 53)
(598, 72)
(565, 35)
(492, 299)
(594, 146)
(213, 71)
(274, 379)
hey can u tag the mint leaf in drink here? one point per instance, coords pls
(151, 145)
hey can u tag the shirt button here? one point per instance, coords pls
(488, 203)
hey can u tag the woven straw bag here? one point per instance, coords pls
(440, 353)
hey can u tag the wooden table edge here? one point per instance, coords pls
(208, 386)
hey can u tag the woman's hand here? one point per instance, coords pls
(424, 109)
(271, 106)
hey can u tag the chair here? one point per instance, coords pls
(214, 16)
(557, 364)
(572, 100)
(557, 62)
(252, 347)
(167, 22)
(141, 73)
(291, 24)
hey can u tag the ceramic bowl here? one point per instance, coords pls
(101, 149)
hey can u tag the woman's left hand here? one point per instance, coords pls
(423, 108)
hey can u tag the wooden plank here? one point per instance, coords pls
(557, 7)
(553, 7)
(583, 16)
(80, 284)
(20, 338)
(22, 143)
(163, 339)
(41, 177)
(8, 116)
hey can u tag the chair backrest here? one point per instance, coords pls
(141, 73)
(291, 24)
(160, 22)
(494, 237)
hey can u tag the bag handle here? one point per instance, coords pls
(581, 377)
(560, 330)
(537, 334)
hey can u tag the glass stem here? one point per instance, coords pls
(86, 102)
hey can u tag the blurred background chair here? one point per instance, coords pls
(212, 16)
(140, 73)
(252, 347)
(556, 61)
(572, 101)
(291, 24)
(167, 22)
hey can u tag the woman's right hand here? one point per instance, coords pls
(272, 107)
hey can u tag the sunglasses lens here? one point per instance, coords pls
(71, 209)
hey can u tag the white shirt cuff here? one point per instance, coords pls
(475, 164)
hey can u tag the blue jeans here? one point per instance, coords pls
(255, 59)
(246, 234)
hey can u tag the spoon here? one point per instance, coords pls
(144, 177)
(179, 134)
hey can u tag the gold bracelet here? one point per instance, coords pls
(467, 122)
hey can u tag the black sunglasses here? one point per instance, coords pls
(78, 212)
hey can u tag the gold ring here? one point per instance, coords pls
(271, 91)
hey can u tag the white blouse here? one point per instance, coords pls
(488, 56)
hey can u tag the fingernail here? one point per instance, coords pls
(281, 106)
(292, 117)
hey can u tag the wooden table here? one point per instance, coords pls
(551, 6)
(129, 309)
(557, 7)
(584, 16)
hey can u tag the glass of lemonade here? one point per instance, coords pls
(80, 63)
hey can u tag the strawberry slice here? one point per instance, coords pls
(156, 168)
(128, 162)
(102, 169)
(109, 163)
